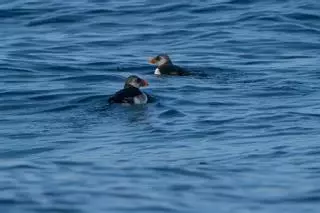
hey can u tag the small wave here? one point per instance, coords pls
(89, 78)
(26, 151)
(303, 16)
(60, 108)
(179, 171)
(171, 113)
(57, 19)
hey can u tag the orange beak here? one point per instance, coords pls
(144, 83)
(152, 60)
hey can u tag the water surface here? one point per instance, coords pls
(240, 135)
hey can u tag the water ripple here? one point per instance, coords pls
(238, 135)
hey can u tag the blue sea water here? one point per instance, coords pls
(239, 135)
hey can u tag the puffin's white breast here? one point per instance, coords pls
(157, 72)
(140, 99)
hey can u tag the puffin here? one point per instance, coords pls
(166, 67)
(131, 94)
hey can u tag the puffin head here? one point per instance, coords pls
(135, 81)
(160, 60)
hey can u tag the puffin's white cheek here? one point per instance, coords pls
(135, 84)
(162, 62)
(157, 72)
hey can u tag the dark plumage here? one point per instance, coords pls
(131, 94)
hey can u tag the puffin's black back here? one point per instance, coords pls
(172, 70)
(125, 95)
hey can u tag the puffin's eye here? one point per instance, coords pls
(139, 80)
(158, 58)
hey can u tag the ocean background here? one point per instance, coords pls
(240, 135)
